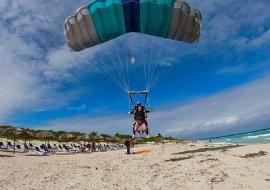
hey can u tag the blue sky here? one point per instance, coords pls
(218, 86)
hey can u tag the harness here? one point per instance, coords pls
(139, 115)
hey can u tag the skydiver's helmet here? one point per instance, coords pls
(139, 105)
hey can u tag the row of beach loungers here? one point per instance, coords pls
(49, 149)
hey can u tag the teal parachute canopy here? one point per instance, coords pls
(103, 20)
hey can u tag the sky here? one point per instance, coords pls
(218, 86)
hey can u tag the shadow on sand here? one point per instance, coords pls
(222, 148)
(6, 156)
(179, 159)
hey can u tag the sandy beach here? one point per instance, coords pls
(169, 166)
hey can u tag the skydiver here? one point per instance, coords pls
(139, 115)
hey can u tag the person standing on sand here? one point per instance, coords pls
(93, 147)
(127, 144)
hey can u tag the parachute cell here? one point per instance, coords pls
(103, 20)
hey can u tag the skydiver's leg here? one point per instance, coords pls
(144, 125)
(137, 125)
(133, 128)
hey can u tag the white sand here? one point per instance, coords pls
(116, 170)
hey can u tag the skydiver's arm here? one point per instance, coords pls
(131, 112)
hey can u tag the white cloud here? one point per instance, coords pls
(241, 109)
(78, 108)
(263, 39)
(236, 23)
(23, 55)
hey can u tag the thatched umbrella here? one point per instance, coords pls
(66, 137)
(1, 130)
(108, 140)
(45, 135)
(28, 135)
(98, 138)
(116, 139)
(15, 133)
(84, 138)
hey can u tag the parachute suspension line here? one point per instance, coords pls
(150, 58)
(122, 68)
(150, 63)
(113, 72)
(108, 75)
(154, 70)
(148, 102)
(151, 52)
(144, 63)
(113, 79)
(111, 69)
(161, 75)
(154, 73)
(127, 70)
(106, 68)
(127, 63)
(120, 71)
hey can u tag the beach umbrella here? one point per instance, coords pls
(98, 138)
(84, 138)
(45, 135)
(116, 139)
(108, 139)
(66, 137)
(28, 135)
(15, 133)
(1, 130)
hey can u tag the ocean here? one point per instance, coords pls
(261, 136)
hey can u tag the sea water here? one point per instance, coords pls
(261, 136)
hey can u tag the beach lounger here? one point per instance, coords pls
(37, 152)
(4, 146)
(26, 147)
(70, 149)
(61, 149)
(19, 148)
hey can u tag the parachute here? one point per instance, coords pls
(104, 20)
